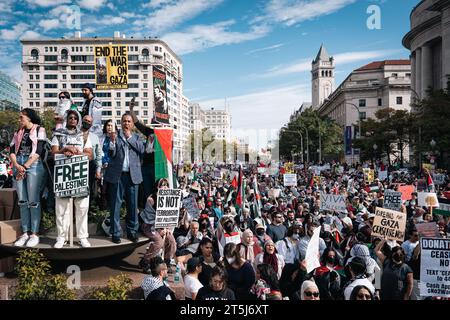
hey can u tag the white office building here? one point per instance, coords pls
(65, 64)
(219, 122)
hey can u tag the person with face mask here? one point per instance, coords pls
(92, 106)
(397, 277)
(95, 165)
(287, 247)
(261, 235)
(64, 105)
(327, 276)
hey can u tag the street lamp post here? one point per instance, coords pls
(320, 141)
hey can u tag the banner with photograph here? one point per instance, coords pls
(71, 177)
(160, 96)
(111, 67)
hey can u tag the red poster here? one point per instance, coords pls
(406, 191)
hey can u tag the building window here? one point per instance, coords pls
(31, 104)
(38, 95)
(37, 77)
(145, 121)
(31, 77)
(50, 86)
(118, 95)
(118, 114)
(380, 102)
(399, 100)
(145, 95)
(131, 94)
(31, 86)
(362, 102)
(395, 75)
(50, 95)
(145, 85)
(362, 115)
(145, 76)
(64, 86)
(145, 111)
(37, 85)
(35, 54)
(50, 58)
(64, 76)
(31, 95)
(118, 122)
(50, 76)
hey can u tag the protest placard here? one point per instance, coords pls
(392, 200)
(427, 199)
(160, 95)
(274, 193)
(439, 179)
(435, 267)
(406, 191)
(389, 224)
(332, 202)
(427, 230)
(71, 177)
(262, 170)
(369, 175)
(111, 67)
(168, 208)
(382, 175)
(290, 179)
(191, 206)
(427, 166)
(312, 252)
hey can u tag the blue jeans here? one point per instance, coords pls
(118, 192)
(29, 193)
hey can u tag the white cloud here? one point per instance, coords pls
(173, 13)
(30, 34)
(340, 59)
(91, 4)
(275, 46)
(290, 12)
(200, 37)
(111, 6)
(110, 20)
(157, 3)
(47, 3)
(263, 110)
(6, 6)
(14, 33)
(49, 24)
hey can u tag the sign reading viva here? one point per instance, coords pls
(332, 202)
(111, 67)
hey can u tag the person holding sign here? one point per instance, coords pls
(124, 176)
(26, 147)
(69, 142)
(92, 106)
(397, 276)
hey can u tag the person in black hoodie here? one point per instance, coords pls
(217, 289)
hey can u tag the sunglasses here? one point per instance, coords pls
(63, 97)
(310, 294)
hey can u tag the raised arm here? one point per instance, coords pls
(378, 251)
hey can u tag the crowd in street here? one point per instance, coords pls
(247, 235)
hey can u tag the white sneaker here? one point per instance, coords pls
(85, 243)
(34, 241)
(60, 242)
(21, 241)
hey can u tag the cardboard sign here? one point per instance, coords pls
(71, 177)
(406, 191)
(312, 252)
(111, 67)
(389, 224)
(435, 268)
(427, 199)
(191, 206)
(427, 166)
(392, 200)
(290, 179)
(289, 167)
(168, 208)
(332, 202)
(428, 230)
(369, 175)
(274, 193)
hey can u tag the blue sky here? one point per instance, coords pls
(255, 53)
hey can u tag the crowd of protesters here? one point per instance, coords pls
(248, 235)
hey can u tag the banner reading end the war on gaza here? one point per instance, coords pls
(111, 67)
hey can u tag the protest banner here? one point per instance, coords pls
(191, 206)
(427, 199)
(160, 96)
(111, 67)
(71, 177)
(168, 208)
(435, 267)
(369, 175)
(289, 167)
(392, 200)
(274, 193)
(262, 170)
(382, 175)
(427, 166)
(444, 207)
(274, 171)
(389, 224)
(427, 230)
(332, 202)
(406, 191)
(439, 179)
(312, 256)
(290, 179)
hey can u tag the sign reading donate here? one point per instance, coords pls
(290, 179)
(332, 202)
(71, 177)
(435, 267)
(392, 200)
(168, 208)
(389, 224)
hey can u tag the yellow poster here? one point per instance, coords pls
(369, 175)
(289, 167)
(111, 67)
(427, 166)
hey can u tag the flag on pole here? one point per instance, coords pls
(258, 204)
(240, 189)
(430, 183)
(163, 154)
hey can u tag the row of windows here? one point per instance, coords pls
(362, 102)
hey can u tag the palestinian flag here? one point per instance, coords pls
(372, 188)
(311, 182)
(233, 186)
(163, 155)
(430, 183)
(240, 189)
(258, 204)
